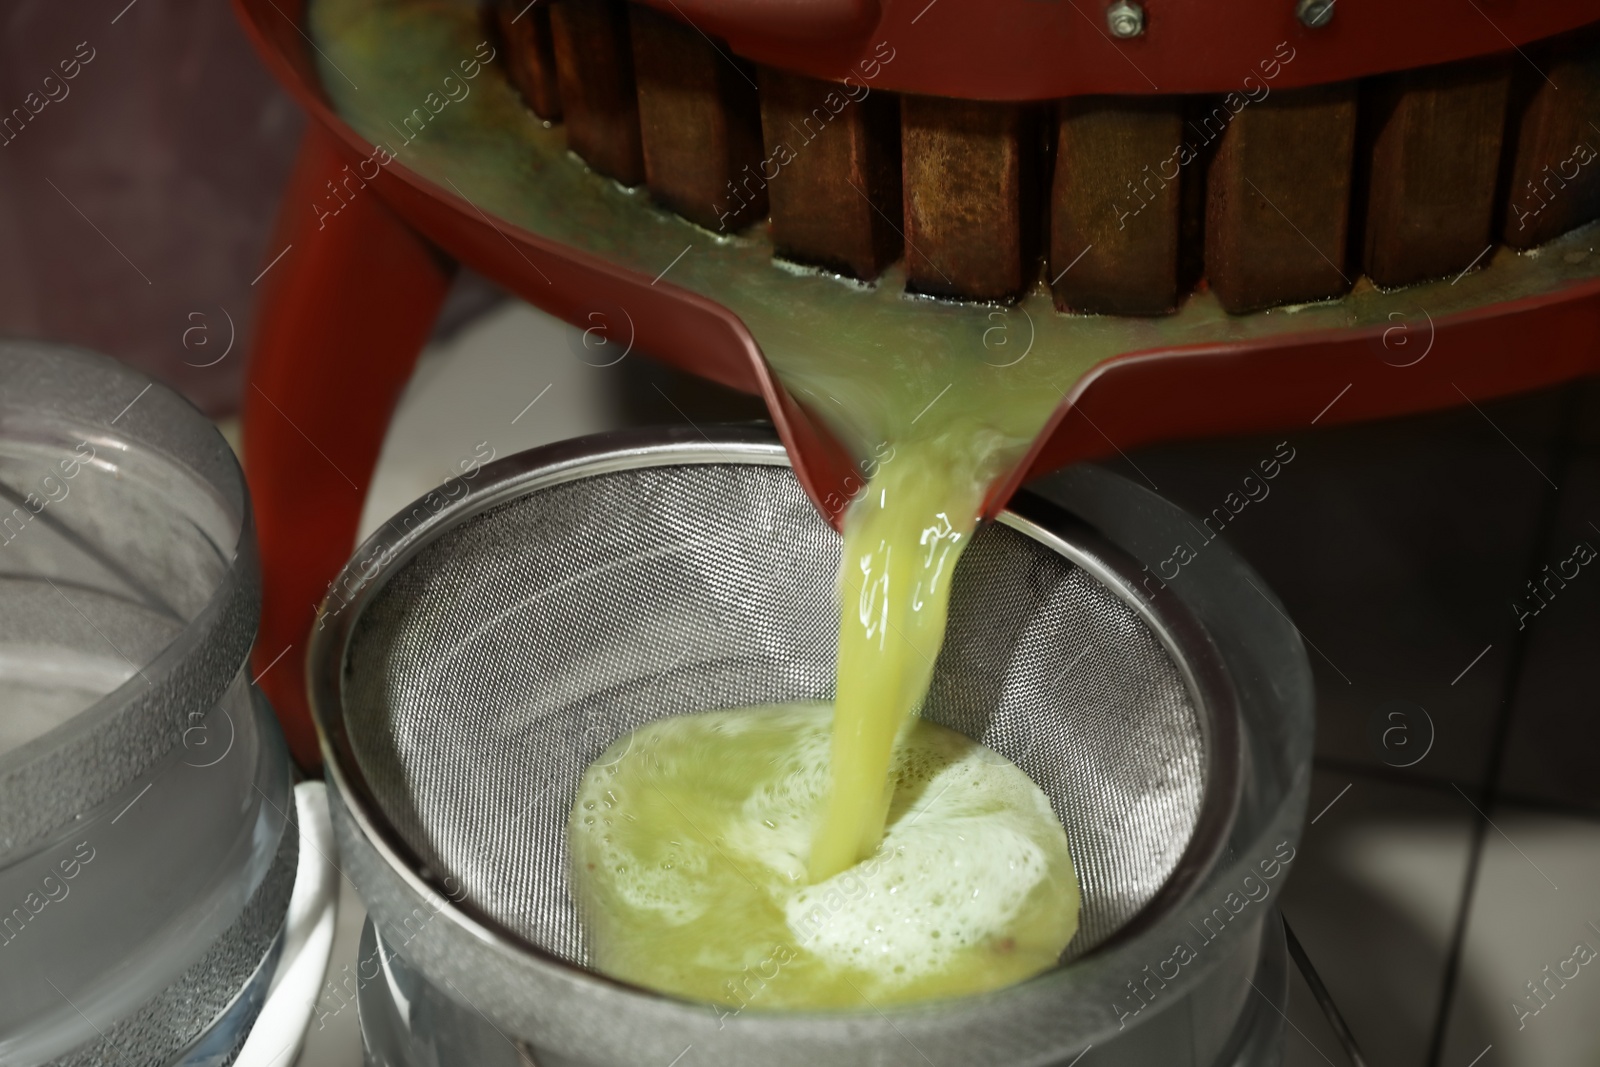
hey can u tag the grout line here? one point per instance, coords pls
(1545, 807)
(1384, 775)
(1503, 834)
(1515, 661)
(1319, 992)
(1381, 774)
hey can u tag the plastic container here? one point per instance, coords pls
(147, 842)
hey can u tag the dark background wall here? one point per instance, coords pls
(1399, 549)
(138, 204)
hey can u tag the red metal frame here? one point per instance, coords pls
(349, 306)
(1043, 49)
(1326, 377)
(344, 315)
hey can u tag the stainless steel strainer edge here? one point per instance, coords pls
(1197, 662)
(529, 991)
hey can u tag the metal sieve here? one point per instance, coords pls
(479, 652)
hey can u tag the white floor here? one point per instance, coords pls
(1534, 924)
(1377, 899)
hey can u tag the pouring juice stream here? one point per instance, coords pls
(902, 539)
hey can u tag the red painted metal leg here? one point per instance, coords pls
(344, 314)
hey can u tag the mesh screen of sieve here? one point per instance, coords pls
(505, 655)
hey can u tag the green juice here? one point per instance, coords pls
(691, 839)
(902, 539)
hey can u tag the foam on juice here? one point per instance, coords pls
(690, 840)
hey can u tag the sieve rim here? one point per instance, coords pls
(387, 551)
(1199, 664)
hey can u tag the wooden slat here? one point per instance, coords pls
(530, 54)
(1278, 196)
(594, 67)
(835, 194)
(1554, 181)
(701, 124)
(1432, 168)
(1114, 205)
(969, 171)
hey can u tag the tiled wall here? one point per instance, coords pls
(1400, 549)
(1552, 751)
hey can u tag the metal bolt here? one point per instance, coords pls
(1314, 13)
(1125, 18)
